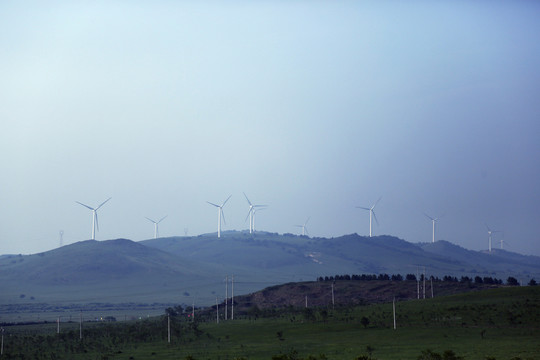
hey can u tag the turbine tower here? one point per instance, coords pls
(371, 214)
(251, 214)
(156, 223)
(490, 232)
(220, 215)
(95, 223)
(433, 220)
(304, 228)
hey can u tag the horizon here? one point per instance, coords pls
(311, 108)
(246, 231)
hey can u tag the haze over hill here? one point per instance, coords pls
(188, 269)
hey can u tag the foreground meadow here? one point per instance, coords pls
(492, 324)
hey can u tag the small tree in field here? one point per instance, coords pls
(364, 321)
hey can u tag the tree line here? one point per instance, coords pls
(512, 281)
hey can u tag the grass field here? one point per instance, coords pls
(492, 324)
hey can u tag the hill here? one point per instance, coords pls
(98, 271)
(298, 258)
(349, 292)
(193, 269)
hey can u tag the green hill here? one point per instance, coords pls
(193, 269)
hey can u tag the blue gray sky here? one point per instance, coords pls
(311, 107)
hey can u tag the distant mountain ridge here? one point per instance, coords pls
(188, 269)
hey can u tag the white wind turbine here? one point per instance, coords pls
(502, 242)
(156, 223)
(220, 214)
(490, 232)
(251, 214)
(371, 214)
(95, 223)
(304, 227)
(433, 220)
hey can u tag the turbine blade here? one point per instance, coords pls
(226, 201)
(86, 206)
(160, 220)
(429, 217)
(361, 207)
(487, 227)
(376, 202)
(97, 223)
(150, 220)
(247, 217)
(223, 217)
(212, 204)
(249, 202)
(103, 203)
(375, 217)
(307, 220)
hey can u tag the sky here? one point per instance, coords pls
(313, 108)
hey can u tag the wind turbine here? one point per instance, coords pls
(433, 220)
(371, 214)
(304, 228)
(220, 215)
(156, 223)
(94, 216)
(502, 242)
(490, 232)
(251, 214)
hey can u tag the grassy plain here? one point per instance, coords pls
(498, 324)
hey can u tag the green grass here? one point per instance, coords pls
(499, 323)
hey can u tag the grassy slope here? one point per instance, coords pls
(501, 323)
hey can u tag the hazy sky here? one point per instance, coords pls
(311, 107)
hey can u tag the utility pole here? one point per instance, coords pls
(226, 294)
(306, 301)
(2, 346)
(394, 308)
(217, 311)
(417, 284)
(80, 326)
(169, 328)
(424, 290)
(333, 303)
(232, 297)
(431, 279)
(58, 325)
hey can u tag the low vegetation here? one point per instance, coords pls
(500, 323)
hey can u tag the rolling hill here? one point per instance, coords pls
(193, 269)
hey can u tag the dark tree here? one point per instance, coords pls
(411, 277)
(512, 281)
(364, 321)
(532, 282)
